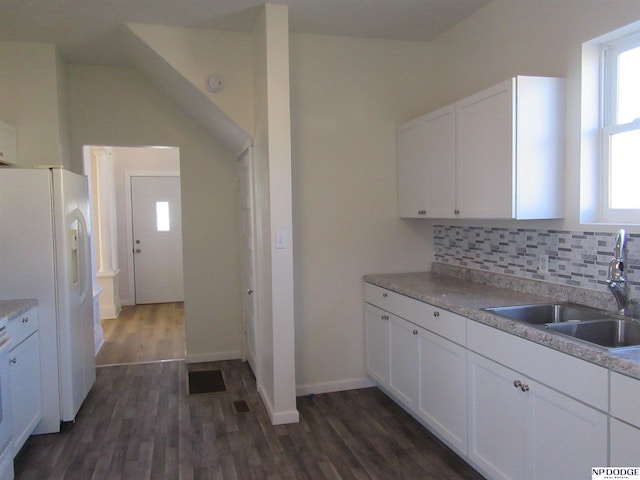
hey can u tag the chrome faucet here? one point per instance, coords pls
(617, 280)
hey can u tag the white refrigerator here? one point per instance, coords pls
(45, 253)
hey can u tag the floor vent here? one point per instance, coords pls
(206, 381)
(240, 407)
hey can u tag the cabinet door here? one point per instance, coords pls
(624, 444)
(25, 389)
(377, 344)
(403, 360)
(568, 437)
(485, 153)
(497, 420)
(442, 400)
(426, 166)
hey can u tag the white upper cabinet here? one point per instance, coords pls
(507, 155)
(8, 147)
(426, 165)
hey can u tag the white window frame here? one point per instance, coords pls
(608, 105)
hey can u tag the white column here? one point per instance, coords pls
(105, 231)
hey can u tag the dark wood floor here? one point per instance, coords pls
(144, 333)
(139, 423)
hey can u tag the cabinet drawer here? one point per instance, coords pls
(625, 392)
(21, 326)
(442, 322)
(572, 376)
(393, 302)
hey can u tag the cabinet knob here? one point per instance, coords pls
(422, 212)
(25, 319)
(385, 317)
(436, 313)
(415, 332)
(522, 386)
(517, 383)
(14, 360)
(456, 212)
(249, 291)
(384, 295)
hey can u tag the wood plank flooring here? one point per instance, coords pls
(144, 333)
(139, 423)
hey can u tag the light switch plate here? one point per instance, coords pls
(282, 241)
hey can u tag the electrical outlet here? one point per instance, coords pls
(543, 263)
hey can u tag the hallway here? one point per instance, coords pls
(144, 333)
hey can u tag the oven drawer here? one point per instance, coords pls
(21, 326)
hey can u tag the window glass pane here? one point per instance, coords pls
(162, 216)
(628, 82)
(624, 170)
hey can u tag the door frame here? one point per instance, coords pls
(248, 153)
(129, 214)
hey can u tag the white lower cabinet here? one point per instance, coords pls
(25, 389)
(443, 388)
(512, 408)
(521, 429)
(403, 361)
(24, 363)
(624, 443)
(377, 344)
(497, 419)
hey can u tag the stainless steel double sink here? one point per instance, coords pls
(586, 324)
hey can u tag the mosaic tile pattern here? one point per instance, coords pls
(578, 259)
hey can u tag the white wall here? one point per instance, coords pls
(272, 159)
(198, 53)
(128, 160)
(542, 37)
(118, 107)
(348, 96)
(32, 100)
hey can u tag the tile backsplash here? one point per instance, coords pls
(578, 259)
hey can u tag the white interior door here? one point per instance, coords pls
(157, 239)
(245, 180)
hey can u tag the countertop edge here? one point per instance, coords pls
(12, 308)
(468, 298)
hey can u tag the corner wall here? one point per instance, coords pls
(118, 107)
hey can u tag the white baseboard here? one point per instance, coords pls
(213, 357)
(109, 311)
(338, 386)
(277, 418)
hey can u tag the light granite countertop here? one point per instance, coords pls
(454, 291)
(12, 308)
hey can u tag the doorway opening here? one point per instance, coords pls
(137, 247)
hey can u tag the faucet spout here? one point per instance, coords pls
(617, 280)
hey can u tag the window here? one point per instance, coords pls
(620, 130)
(163, 224)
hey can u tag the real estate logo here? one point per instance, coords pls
(615, 473)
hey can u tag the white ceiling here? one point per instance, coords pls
(88, 31)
